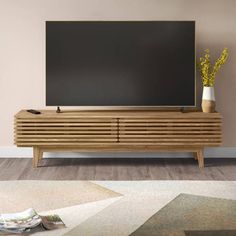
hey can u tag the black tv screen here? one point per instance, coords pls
(120, 63)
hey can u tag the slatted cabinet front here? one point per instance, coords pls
(65, 132)
(115, 129)
(171, 131)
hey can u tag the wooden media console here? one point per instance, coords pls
(118, 131)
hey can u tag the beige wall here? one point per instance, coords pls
(22, 46)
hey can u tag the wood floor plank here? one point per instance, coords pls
(117, 169)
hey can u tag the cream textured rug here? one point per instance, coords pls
(104, 208)
(48, 195)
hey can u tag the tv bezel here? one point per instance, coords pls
(127, 107)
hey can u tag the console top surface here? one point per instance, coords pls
(23, 114)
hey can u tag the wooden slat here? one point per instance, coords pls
(115, 147)
(64, 124)
(150, 136)
(170, 139)
(78, 120)
(28, 132)
(150, 132)
(177, 120)
(110, 139)
(169, 124)
(171, 128)
(66, 136)
(68, 128)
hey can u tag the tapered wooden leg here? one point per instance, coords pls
(200, 158)
(38, 155)
(195, 156)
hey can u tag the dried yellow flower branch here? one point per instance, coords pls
(208, 73)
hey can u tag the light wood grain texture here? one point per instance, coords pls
(195, 156)
(111, 114)
(118, 131)
(37, 156)
(200, 158)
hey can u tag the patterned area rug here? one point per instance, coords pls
(121, 208)
(49, 195)
(190, 215)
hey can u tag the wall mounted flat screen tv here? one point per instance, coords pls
(120, 63)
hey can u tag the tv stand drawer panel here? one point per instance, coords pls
(171, 131)
(46, 132)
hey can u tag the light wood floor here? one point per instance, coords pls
(117, 169)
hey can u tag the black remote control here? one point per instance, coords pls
(34, 111)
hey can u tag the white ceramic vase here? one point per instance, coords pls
(208, 99)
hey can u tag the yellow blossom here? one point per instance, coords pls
(207, 71)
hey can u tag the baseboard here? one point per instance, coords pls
(14, 152)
